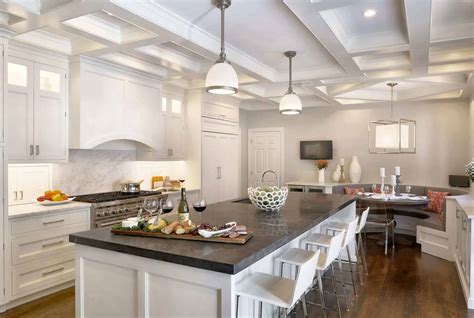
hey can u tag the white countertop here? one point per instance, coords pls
(18, 211)
(467, 204)
(317, 184)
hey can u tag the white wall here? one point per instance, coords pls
(442, 141)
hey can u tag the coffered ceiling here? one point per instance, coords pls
(343, 57)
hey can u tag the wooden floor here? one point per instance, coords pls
(407, 283)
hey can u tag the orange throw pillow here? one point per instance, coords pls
(436, 201)
(353, 191)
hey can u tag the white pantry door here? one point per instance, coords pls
(265, 151)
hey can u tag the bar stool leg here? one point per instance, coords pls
(305, 307)
(364, 260)
(393, 235)
(359, 262)
(343, 283)
(260, 305)
(335, 290)
(386, 238)
(321, 294)
(237, 307)
(350, 267)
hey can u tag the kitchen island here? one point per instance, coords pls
(126, 276)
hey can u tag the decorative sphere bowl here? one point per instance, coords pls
(268, 198)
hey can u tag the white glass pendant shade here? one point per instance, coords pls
(290, 104)
(222, 79)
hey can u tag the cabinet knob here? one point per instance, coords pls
(37, 150)
(21, 194)
(31, 150)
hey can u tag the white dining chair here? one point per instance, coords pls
(279, 291)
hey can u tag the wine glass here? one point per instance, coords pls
(150, 205)
(374, 188)
(199, 206)
(181, 180)
(386, 189)
(167, 206)
(408, 189)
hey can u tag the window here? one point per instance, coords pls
(17, 74)
(50, 81)
(163, 104)
(176, 106)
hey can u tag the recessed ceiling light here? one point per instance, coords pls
(369, 13)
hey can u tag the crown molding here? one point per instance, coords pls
(46, 40)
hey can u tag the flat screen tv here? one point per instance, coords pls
(316, 149)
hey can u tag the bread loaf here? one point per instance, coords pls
(170, 228)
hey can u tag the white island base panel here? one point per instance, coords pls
(112, 284)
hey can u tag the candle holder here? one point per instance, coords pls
(397, 187)
(382, 186)
(342, 178)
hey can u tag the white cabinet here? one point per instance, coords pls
(27, 182)
(37, 118)
(220, 110)
(111, 103)
(170, 129)
(220, 167)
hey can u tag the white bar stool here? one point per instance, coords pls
(325, 262)
(339, 226)
(279, 291)
(349, 236)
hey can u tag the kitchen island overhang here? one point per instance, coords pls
(136, 276)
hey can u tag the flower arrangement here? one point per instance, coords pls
(321, 164)
(470, 170)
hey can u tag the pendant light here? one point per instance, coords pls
(392, 136)
(221, 78)
(290, 104)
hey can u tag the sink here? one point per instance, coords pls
(245, 201)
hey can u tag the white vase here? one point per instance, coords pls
(336, 175)
(321, 176)
(355, 170)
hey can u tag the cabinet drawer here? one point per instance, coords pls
(220, 111)
(48, 221)
(219, 126)
(35, 276)
(45, 244)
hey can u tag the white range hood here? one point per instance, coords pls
(112, 105)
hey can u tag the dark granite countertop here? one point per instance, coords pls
(271, 231)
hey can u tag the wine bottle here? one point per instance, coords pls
(183, 209)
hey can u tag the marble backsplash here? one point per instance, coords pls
(90, 171)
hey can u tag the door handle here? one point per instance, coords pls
(52, 243)
(52, 222)
(53, 271)
(21, 194)
(32, 151)
(15, 193)
(219, 173)
(37, 150)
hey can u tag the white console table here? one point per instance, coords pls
(312, 186)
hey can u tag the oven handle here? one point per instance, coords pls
(109, 223)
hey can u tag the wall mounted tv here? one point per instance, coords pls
(316, 149)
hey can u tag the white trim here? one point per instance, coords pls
(281, 130)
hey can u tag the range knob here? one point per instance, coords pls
(99, 214)
(115, 212)
(106, 213)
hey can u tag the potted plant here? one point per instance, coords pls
(470, 172)
(322, 165)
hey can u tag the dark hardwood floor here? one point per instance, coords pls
(406, 283)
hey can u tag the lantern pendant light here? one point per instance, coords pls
(221, 78)
(290, 104)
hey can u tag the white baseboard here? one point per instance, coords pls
(434, 242)
(27, 299)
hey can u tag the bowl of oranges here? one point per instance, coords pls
(53, 197)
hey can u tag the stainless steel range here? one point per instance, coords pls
(111, 208)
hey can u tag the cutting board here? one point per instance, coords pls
(242, 239)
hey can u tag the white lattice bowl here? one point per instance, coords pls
(268, 198)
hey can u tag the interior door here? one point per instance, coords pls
(209, 173)
(50, 112)
(265, 148)
(19, 126)
(228, 167)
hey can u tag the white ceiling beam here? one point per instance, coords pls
(418, 19)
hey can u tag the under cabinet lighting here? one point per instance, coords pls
(369, 13)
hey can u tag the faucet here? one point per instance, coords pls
(271, 171)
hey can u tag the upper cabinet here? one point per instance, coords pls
(36, 127)
(113, 103)
(171, 129)
(213, 108)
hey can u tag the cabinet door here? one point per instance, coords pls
(175, 129)
(32, 181)
(2, 216)
(19, 126)
(12, 185)
(162, 151)
(2, 92)
(50, 113)
(228, 167)
(209, 187)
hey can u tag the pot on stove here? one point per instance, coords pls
(131, 187)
